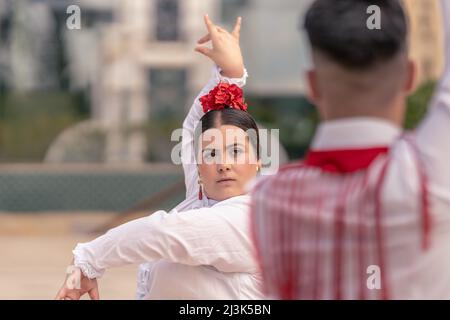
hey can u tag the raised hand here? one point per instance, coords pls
(225, 51)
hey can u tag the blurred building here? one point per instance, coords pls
(427, 45)
(5, 10)
(135, 59)
(274, 45)
(148, 70)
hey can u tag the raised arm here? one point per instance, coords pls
(229, 67)
(433, 135)
(197, 237)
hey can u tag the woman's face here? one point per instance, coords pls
(227, 161)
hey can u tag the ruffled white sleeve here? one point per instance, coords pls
(216, 236)
(190, 123)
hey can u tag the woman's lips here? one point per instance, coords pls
(224, 180)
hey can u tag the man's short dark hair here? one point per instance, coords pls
(338, 28)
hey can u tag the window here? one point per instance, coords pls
(92, 18)
(167, 94)
(167, 110)
(167, 20)
(5, 28)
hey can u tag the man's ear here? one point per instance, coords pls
(313, 88)
(411, 77)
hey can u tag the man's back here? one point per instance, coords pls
(366, 216)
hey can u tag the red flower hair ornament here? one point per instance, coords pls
(224, 95)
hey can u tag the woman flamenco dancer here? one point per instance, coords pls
(202, 248)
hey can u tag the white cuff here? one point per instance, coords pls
(81, 262)
(240, 82)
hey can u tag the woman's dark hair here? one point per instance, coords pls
(233, 117)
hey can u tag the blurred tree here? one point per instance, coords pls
(295, 117)
(30, 122)
(418, 104)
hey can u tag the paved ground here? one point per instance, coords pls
(36, 248)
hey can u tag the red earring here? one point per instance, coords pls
(200, 192)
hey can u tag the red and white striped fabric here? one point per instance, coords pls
(320, 224)
(366, 198)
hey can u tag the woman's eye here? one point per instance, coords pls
(237, 152)
(210, 154)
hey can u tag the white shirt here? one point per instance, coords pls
(201, 249)
(413, 273)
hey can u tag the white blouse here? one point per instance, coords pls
(201, 249)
